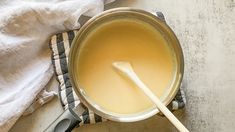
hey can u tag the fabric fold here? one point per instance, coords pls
(25, 60)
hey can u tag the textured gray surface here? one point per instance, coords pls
(206, 30)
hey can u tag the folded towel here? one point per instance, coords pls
(60, 45)
(25, 61)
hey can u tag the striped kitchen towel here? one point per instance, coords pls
(60, 45)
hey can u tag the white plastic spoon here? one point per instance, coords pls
(127, 70)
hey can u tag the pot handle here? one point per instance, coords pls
(65, 122)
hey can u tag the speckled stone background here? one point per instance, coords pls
(206, 30)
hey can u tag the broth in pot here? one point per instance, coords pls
(124, 40)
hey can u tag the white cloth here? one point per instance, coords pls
(42, 98)
(25, 59)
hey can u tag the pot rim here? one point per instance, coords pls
(124, 117)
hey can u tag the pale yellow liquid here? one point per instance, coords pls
(124, 40)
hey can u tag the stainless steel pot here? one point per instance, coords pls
(147, 17)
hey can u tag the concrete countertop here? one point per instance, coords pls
(206, 30)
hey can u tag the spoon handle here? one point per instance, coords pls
(132, 75)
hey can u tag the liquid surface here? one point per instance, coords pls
(124, 40)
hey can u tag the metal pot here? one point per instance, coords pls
(147, 17)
